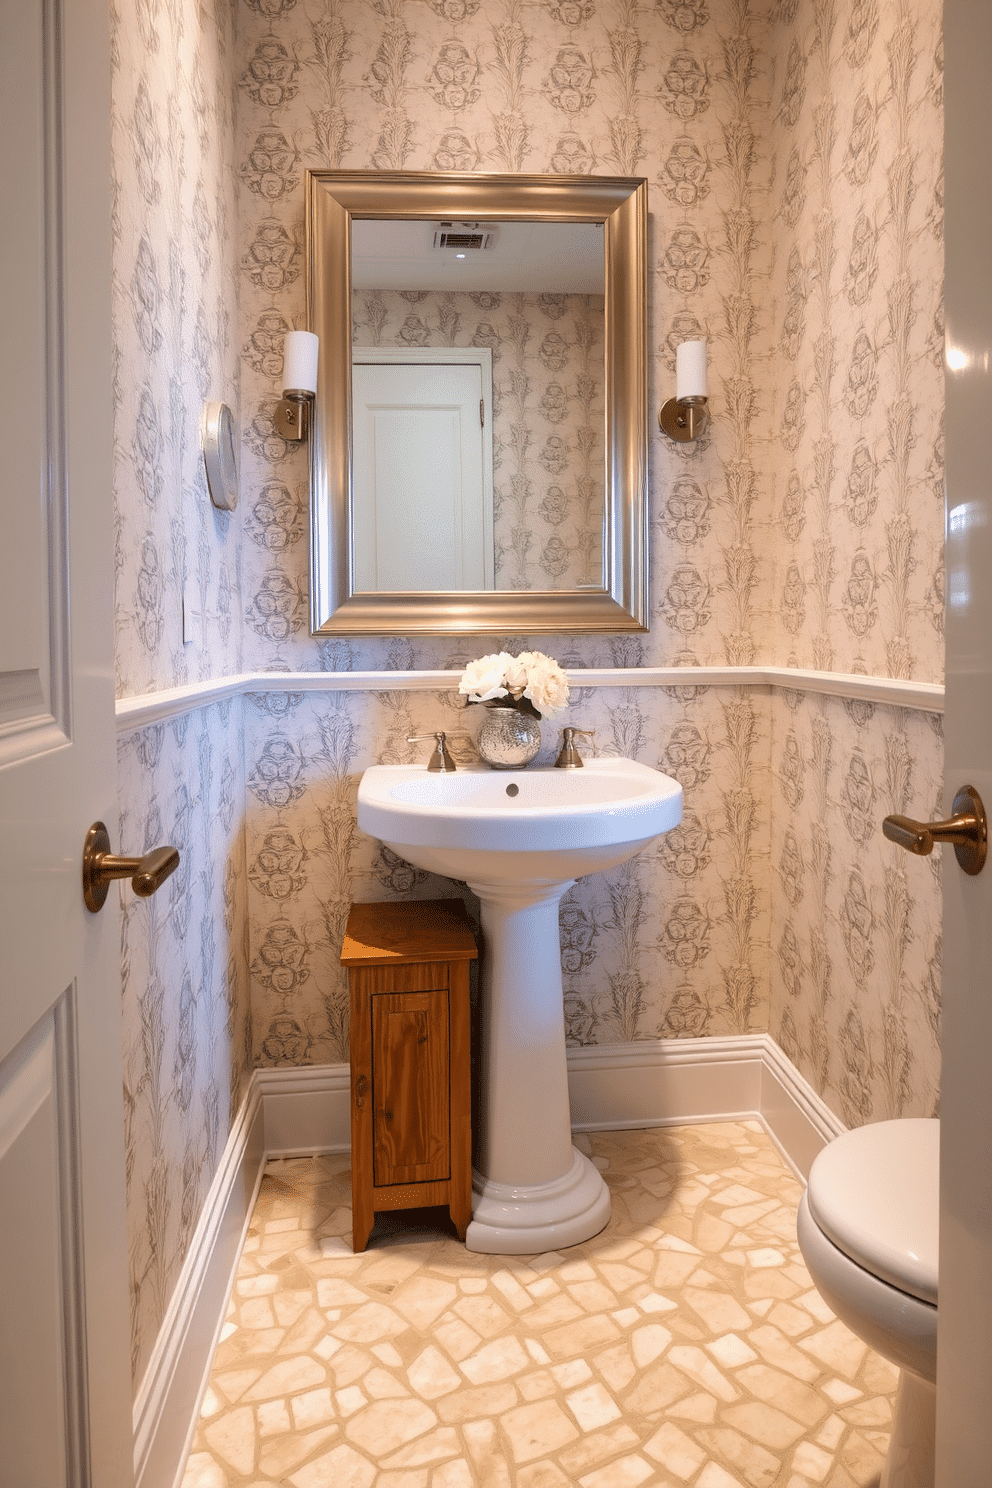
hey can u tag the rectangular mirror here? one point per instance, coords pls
(532, 519)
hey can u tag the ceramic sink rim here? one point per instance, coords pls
(616, 801)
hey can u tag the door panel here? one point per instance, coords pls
(41, 1326)
(64, 1378)
(34, 588)
(964, 1349)
(28, 174)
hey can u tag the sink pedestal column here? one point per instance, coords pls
(534, 1192)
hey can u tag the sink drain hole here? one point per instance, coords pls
(513, 790)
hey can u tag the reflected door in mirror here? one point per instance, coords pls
(422, 495)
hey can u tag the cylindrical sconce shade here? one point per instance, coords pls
(299, 366)
(690, 370)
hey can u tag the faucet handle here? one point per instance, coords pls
(440, 758)
(569, 757)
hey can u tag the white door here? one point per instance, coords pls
(65, 1390)
(421, 518)
(964, 1359)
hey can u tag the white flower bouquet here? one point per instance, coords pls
(531, 682)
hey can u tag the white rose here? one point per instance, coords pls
(483, 679)
(514, 674)
(547, 685)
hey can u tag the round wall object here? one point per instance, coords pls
(220, 455)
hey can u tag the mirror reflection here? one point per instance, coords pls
(478, 405)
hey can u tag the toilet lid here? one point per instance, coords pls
(874, 1192)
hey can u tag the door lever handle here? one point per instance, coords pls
(966, 830)
(101, 867)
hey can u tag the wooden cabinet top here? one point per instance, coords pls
(408, 931)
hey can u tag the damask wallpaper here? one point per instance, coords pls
(857, 506)
(184, 953)
(857, 323)
(604, 88)
(175, 313)
(855, 987)
(548, 416)
(676, 92)
(187, 1054)
(668, 908)
(792, 153)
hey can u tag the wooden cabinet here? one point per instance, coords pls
(411, 1131)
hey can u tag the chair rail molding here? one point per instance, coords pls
(172, 702)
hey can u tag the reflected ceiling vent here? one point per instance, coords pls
(466, 237)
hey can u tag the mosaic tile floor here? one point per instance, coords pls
(684, 1345)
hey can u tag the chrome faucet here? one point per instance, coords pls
(440, 758)
(569, 757)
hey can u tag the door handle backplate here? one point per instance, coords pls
(966, 830)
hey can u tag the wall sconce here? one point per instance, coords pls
(299, 376)
(685, 416)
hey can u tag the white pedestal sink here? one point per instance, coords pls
(519, 839)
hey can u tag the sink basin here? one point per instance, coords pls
(504, 824)
(519, 839)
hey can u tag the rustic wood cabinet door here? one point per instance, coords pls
(411, 1125)
(410, 1080)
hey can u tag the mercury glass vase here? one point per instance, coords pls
(508, 739)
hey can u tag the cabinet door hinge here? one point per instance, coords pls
(482, 413)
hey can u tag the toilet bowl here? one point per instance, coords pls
(867, 1229)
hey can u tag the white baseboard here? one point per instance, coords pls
(799, 1122)
(663, 1082)
(672, 1082)
(168, 1401)
(306, 1109)
(654, 1082)
(292, 1112)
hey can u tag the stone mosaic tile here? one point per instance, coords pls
(684, 1347)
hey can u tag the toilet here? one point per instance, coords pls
(867, 1230)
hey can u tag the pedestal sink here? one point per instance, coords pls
(519, 839)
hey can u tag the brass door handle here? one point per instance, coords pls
(967, 830)
(101, 867)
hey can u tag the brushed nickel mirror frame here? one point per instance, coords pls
(333, 198)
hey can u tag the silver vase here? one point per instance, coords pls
(508, 739)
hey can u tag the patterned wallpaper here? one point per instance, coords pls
(187, 1055)
(666, 909)
(677, 942)
(184, 953)
(857, 428)
(790, 150)
(175, 312)
(856, 306)
(855, 933)
(548, 412)
(674, 92)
